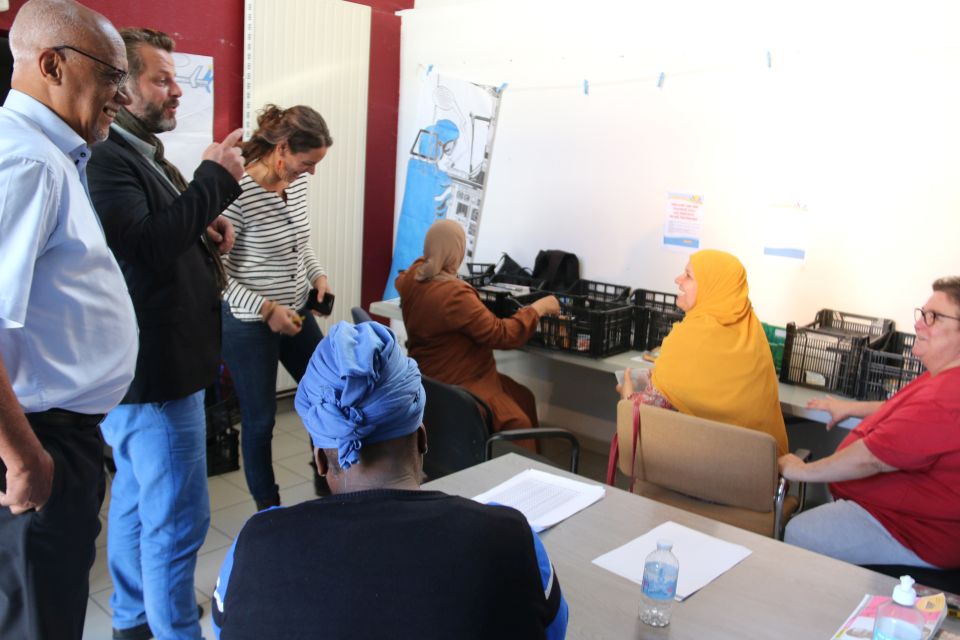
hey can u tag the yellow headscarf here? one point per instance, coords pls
(716, 362)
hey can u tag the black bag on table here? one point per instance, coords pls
(559, 269)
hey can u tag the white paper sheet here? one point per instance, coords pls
(543, 498)
(702, 558)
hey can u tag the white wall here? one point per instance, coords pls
(858, 117)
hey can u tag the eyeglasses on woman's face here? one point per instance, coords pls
(931, 317)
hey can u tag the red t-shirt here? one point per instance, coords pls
(918, 432)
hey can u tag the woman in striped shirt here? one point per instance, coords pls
(270, 272)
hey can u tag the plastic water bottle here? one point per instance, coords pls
(899, 619)
(660, 571)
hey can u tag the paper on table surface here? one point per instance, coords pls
(702, 558)
(543, 498)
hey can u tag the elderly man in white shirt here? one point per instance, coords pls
(68, 334)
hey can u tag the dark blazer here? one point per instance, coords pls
(154, 232)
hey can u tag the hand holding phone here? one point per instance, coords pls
(325, 307)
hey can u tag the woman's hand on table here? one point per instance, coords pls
(838, 409)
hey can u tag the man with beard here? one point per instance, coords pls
(157, 226)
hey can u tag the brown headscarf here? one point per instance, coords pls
(443, 251)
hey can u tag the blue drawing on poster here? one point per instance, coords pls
(426, 195)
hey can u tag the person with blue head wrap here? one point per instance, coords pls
(428, 564)
(359, 388)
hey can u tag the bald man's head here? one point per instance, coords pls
(45, 23)
(71, 59)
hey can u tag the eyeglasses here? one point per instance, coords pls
(930, 317)
(118, 76)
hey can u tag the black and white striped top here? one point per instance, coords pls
(272, 258)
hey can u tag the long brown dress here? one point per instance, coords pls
(452, 335)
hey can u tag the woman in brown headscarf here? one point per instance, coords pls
(452, 335)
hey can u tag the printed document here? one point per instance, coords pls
(543, 498)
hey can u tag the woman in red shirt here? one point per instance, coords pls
(896, 478)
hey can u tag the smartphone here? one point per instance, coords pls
(325, 307)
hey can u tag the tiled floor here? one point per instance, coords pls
(231, 506)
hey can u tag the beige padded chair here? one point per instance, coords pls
(717, 470)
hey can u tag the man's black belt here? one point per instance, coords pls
(64, 418)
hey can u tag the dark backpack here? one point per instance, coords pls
(559, 269)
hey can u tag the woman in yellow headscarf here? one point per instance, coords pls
(716, 362)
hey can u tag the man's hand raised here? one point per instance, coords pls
(227, 154)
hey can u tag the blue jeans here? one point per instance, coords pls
(846, 531)
(252, 352)
(159, 513)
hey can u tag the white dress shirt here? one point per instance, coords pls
(68, 333)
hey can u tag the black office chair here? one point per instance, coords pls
(360, 315)
(940, 579)
(459, 427)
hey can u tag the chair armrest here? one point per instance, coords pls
(539, 434)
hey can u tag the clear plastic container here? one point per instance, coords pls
(899, 619)
(660, 572)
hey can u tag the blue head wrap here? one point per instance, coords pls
(359, 388)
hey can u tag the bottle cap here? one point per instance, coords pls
(664, 545)
(903, 593)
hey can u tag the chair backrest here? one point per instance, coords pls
(458, 425)
(359, 315)
(708, 460)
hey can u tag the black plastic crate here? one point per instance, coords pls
(480, 273)
(888, 365)
(223, 448)
(223, 452)
(598, 291)
(652, 326)
(499, 294)
(852, 323)
(822, 358)
(649, 329)
(587, 327)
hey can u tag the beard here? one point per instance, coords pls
(152, 117)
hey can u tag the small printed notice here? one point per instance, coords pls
(543, 498)
(787, 231)
(702, 558)
(684, 222)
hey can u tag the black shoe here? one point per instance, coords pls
(142, 631)
(139, 632)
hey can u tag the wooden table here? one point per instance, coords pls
(778, 592)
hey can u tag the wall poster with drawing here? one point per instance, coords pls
(184, 146)
(446, 172)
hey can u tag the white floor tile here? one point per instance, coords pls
(297, 494)
(226, 494)
(286, 445)
(229, 521)
(97, 625)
